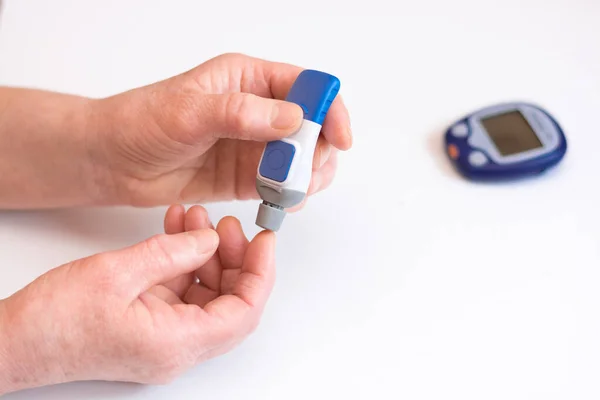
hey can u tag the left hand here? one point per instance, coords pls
(138, 314)
(222, 272)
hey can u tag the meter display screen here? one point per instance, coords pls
(511, 133)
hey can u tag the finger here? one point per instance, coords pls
(232, 249)
(157, 306)
(322, 152)
(266, 79)
(210, 273)
(323, 178)
(246, 116)
(181, 284)
(336, 126)
(196, 218)
(200, 295)
(160, 259)
(320, 180)
(237, 315)
(165, 294)
(258, 272)
(174, 218)
(233, 244)
(280, 77)
(298, 207)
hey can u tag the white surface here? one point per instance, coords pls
(403, 280)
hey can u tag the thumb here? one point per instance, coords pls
(249, 117)
(160, 259)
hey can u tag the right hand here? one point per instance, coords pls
(138, 314)
(198, 137)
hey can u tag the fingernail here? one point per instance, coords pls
(285, 115)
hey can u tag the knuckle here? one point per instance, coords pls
(201, 214)
(252, 284)
(105, 260)
(225, 331)
(238, 112)
(179, 118)
(106, 272)
(232, 56)
(155, 248)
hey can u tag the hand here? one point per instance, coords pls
(138, 314)
(198, 137)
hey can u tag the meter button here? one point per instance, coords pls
(460, 130)
(453, 151)
(477, 159)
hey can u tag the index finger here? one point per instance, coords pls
(280, 77)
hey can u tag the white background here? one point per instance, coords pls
(403, 280)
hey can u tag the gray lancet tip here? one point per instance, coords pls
(270, 216)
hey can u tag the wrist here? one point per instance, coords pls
(6, 362)
(100, 126)
(48, 150)
(25, 362)
(12, 376)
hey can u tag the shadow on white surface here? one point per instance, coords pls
(435, 147)
(105, 226)
(81, 390)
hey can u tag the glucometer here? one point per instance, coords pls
(505, 141)
(285, 168)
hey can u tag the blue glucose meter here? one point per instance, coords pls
(505, 141)
(285, 168)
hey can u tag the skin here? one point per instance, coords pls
(151, 311)
(137, 314)
(193, 138)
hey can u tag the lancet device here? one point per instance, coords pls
(285, 168)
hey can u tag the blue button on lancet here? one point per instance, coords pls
(277, 160)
